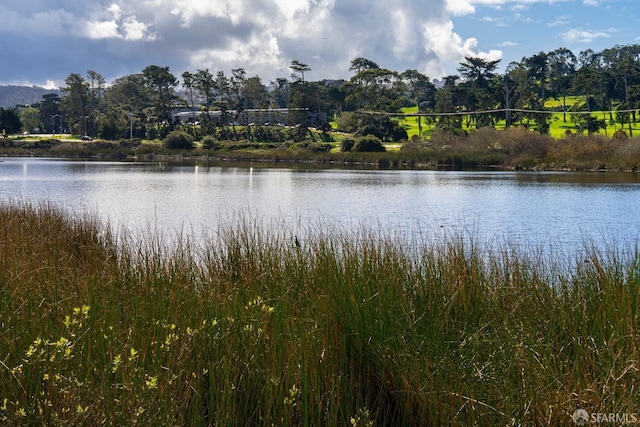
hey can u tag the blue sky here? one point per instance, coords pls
(522, 29)
(43, 41)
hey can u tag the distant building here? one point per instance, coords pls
(281, 116)
(263, 116)
(185, 115)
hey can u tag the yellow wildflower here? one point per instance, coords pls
(133, 354)
(151, 382)
(116, 363)
(62, 342)
(31, 351)
(170, 338)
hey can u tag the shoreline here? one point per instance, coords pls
(486, 149)
(381, 163)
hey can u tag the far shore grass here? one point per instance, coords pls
(510, 149)
(560, 124)
(348, 328)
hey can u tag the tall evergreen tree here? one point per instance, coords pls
(74, 103)
(162, 84)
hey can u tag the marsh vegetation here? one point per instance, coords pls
(348, 328)
(512, 149)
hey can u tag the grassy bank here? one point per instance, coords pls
(513, 149)
(356, 328)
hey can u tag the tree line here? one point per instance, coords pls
(140, 105)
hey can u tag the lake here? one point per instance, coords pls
(561, 210)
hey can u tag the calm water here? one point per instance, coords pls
(559, 209)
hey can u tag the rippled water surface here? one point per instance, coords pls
(537, 208)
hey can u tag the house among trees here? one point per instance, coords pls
(261, 116)
(185, 115)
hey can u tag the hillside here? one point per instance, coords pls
(10, 96)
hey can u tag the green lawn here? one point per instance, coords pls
(558, 125)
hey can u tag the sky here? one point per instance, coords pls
(43, 41)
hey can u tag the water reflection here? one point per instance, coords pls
(538, 208)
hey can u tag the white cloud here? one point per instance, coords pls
(115, 10)
(498, 22)
(265, 35)
(460, 7)
(582, 36)
(292, 8)
(449, 48)
(190, 10)
(132, 29)
(403, 36)
(50, 84)
(521, 18)
(114, 23)
(498, 3)
(123, 36)
(258, 52)
(560, 21)
(102, 30)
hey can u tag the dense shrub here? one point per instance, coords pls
(348, 122)
(210, 143)
(399, 134)
(412, 146)
(39, 144)
(130, 143)
(146, 149)
(620, 134)
(178, 140)
(314, 147)
(9, 121)
(6, 142)
(368, 144)
(370, 130)
(298, 133)
(269, 134)
(347, 144)
(326, 137)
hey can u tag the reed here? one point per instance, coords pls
(356, 327)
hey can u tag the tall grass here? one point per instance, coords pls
(358, 328)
